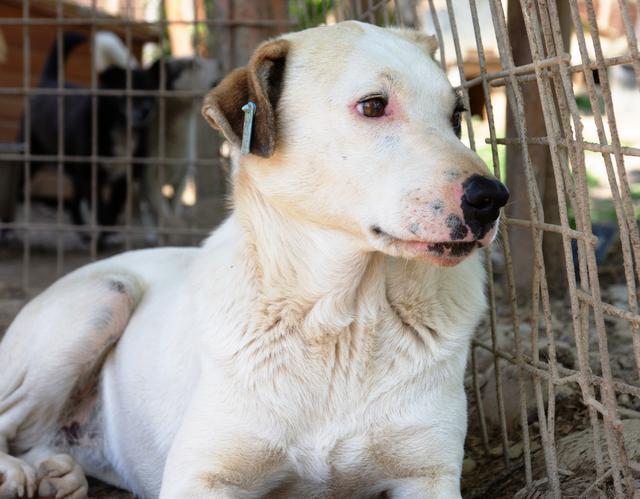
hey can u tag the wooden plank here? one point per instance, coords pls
(71, 10)
(518, 207)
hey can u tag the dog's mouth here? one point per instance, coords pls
(442, 253)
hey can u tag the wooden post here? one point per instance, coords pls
(250, 22)
(521, 243)
(239, 40)
(180, 35)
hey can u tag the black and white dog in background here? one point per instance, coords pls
(122, 132)
(111, 120)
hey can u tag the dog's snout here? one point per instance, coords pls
(482, 199)
(484, 193)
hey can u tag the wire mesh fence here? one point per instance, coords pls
(553, 71)
(539, 360)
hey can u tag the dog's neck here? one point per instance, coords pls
(322, 284)
(301, 270)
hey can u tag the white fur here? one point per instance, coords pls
(110, 51)
(294, 351)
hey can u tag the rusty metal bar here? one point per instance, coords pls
(52, 227)
(517, 107)
(551, 69)
(129, 141)
(93, 242)
(497, 79)
(510, 277)
(26, 83)
(115, 22)
(61, 144)
(436, 25)
(162, 118)
(615, 445)
(587, 146)
(99, 92)
(541, 369)
(460, 64)
(102, 159)
(372, 8)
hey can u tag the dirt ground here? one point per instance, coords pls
(486, 474)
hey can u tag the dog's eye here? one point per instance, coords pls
(456, 118)
(372, 107)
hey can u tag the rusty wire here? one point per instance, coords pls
(553, 70)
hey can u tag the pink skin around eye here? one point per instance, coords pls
(392, 110)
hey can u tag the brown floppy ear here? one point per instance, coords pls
(260, 81)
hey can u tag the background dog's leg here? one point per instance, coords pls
(50, 358)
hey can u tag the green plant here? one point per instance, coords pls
(309, 13)
(486, 154)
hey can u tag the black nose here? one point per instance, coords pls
(481, 202)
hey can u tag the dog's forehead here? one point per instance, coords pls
(385, 57)
(354, 57)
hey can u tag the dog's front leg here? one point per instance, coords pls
(422, 461)
(218, 455)
(442, 487)
(240, 466)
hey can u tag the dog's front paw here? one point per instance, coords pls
(17, 478)
(428, 488)
(61, 477)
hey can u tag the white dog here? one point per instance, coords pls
(315, 345)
